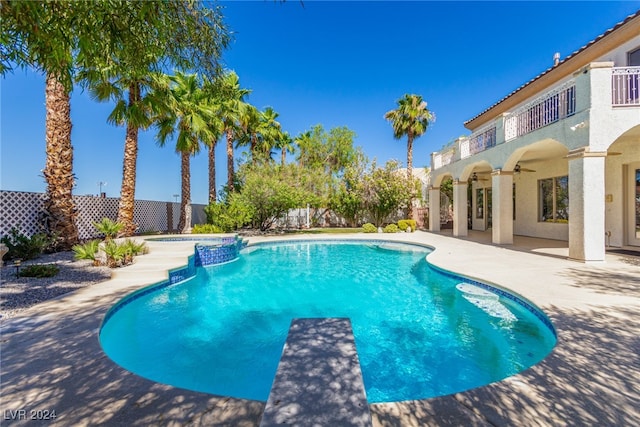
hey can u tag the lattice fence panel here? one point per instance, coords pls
(150, 215)
(20, 209)
(92, 210)
(197, 214)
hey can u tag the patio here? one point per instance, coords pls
(52, 360)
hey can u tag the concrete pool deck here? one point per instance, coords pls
(51, 359)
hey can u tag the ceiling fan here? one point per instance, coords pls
(518, 169)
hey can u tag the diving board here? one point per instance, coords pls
(318, 381)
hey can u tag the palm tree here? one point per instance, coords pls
(285, 143)
(270, 131)
(187, 112)
(211, 89)
(411, 118)
(232, 110)
(134, 104)
(303, 141)
(62, 38)
(250, 129)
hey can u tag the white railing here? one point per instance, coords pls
(482, 139)
(625, 86)
(443, 158)
(554, 105)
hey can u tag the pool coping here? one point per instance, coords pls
(51, 358)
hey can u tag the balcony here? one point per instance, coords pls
(557, 104)
(625, 86)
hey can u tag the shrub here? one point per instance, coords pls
(109, 228)
(206, 229)
(391, 228)
(226, 217)
(404, 223)
(115, 253)
(369, 228)
(131, 248)
(24, 247)
(88, 251)
(39, 270)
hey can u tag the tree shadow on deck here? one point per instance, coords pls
(51, 362)
(590, 378)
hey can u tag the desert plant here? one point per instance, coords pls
(206, 229)
(391, 228)
(369, 228)
(114, 252)
(22, 246)
(39, 270)
(131, 248)
(88, 250)
(404, 223)
(108, 227)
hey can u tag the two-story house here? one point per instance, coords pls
(558, 158)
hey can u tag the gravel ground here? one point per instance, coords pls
(19, 293)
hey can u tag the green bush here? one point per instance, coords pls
(404, 223)
(131, 248)
(369, 228)
(24, 247)
(39, 270)
(391, 228)
(206, 229)
(88, 251)
(226, 217)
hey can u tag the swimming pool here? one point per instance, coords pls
(417, 333)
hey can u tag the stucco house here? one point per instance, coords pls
(558, 158)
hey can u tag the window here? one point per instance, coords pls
(554, 199)
(634, 58)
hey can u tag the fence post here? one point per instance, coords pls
(169, 217)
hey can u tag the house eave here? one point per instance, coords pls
(609, 40)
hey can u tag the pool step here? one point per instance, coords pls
(318, 381)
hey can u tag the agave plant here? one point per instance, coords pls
(88, 251)
(108, 227)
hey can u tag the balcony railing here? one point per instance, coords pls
(625, 86)
(443, 158)
(482, 139)
(549, 108)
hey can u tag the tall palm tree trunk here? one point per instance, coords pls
(128, 188)
(230, 161)
(254, 146)
(409, 157)
(60, 211)
(184, 223)
(212, 172)
(410, 173)
(284, 156)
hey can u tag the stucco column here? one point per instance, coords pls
(460, 209)
(586, 205)
(502, 207)
(434, 208)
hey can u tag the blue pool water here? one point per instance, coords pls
(417, 335)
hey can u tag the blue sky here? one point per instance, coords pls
(329, 63)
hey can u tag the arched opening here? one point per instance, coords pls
(622, 190)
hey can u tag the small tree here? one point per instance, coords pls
(348, 200)
(385, 191)
(271, 191)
